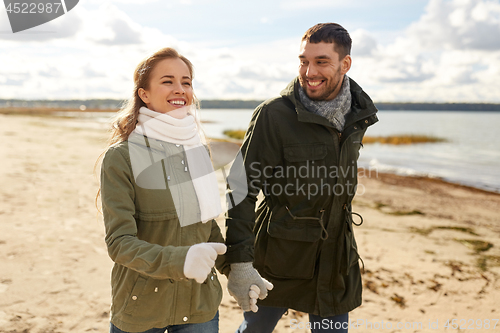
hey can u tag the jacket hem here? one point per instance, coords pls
(306, 308)
(133, 327)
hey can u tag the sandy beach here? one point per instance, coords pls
(431, 249)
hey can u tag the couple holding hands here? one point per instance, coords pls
(160, 197)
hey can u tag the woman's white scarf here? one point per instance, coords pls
(185, 132)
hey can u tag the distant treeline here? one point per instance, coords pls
(252, 104)
(438, 106)
(63, 104)
(229, 104)
(103, 104)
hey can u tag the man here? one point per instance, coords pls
(301, 150)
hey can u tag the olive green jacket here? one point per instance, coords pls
(148, 245)
(301, 236)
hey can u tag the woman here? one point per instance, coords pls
(159, 198)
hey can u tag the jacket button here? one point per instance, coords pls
(212, 277)
(177, 145)
(156, 289)
(366, 121)
(185, 168)
(182, 161)
(185, 319)
(355, 127)
(134, 298)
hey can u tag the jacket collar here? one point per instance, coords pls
(362, 106)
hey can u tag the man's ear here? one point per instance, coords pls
(143, 94)
(346, 64)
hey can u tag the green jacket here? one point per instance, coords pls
(301, 235)
(148, 245)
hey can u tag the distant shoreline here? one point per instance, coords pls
(115, 104)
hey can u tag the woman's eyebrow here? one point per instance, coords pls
(171, 77)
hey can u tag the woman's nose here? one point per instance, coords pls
(179, 89)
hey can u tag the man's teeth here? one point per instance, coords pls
(178, 102)
(314, 83)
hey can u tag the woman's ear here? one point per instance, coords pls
(143, 94)
(346, 64)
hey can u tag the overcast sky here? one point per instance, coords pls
(403, 50)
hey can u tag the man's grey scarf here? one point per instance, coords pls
(334, 110)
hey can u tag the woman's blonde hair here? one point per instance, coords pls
(124, 123)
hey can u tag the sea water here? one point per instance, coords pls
(470, 155)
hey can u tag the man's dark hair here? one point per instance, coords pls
(330, 33)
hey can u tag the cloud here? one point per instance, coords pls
(451, 53)
(301, 4)
(96, 61)
(110, 26)
(263, 72)
(405, 76)
(122, 1)
(434, 59)
(363, 43)
(123, 33)
(256, 71)
(50, 71)
(62, 27)
(459, 24)
(235, 87)
(90, 72)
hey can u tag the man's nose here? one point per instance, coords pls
(311, 71)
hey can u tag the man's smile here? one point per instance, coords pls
(314, 83)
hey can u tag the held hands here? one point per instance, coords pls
(254, 294)
(246, 285)
(200, 259)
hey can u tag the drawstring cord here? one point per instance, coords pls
(360, 217)
(349, 214)
(324, 233)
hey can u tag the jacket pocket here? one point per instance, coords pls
(305, 152)
(293, 248)
(304, 171)
(155, 217)
(161, 228)
(207, 296)
(135, 296)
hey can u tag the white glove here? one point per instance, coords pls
(200, 259)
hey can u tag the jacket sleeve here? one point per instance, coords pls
(261, 152)
(118, 207)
